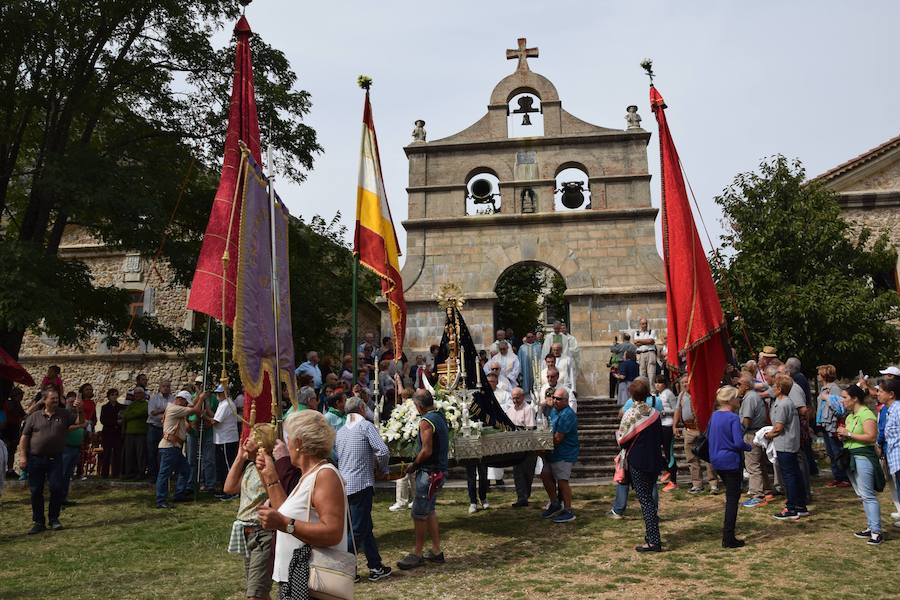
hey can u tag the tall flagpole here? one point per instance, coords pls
(354, 347)
(199, 457)
(276, 385)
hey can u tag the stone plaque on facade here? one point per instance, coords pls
(524, 157)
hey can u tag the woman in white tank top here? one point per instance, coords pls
(320, 491)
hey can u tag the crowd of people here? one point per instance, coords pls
(309, 495)
(763, 430)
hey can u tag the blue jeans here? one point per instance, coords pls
(621, 501)
(793, 480)
(70, 458)
(207, 459)
(833, 447)
(172, 461)
(154, 437)
(361, 518)
(46, 469)
(862, 477)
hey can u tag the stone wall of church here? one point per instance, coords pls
(611, 269)
(119, 371)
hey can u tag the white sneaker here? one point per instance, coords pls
(895, 515)
(473, 508)
(397, 506)
(485, 506)
(409, 505)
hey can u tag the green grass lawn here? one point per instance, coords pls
(115, 545)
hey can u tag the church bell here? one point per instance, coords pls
(572, 194)
(526, 106)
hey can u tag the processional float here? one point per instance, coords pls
(479, 428)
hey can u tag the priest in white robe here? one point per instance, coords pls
(559, 336)
(508, 362)
(564, 365)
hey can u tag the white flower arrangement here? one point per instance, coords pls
(402, 428)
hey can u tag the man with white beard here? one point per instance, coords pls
(508, 362)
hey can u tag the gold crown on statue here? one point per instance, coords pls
(450, 295)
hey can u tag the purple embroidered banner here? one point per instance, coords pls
(254, 321)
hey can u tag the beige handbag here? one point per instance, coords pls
(332, 572)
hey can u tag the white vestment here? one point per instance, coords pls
(509, 367)
(504, 398)
(567, 372)
(568, 342)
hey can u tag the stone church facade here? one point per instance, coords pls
(605, 249)
(868, 189)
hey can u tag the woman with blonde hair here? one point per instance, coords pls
(726, 449)
(314, 515)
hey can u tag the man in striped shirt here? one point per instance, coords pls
(888, 392)
(360, 450)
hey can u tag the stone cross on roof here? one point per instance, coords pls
(522, 53)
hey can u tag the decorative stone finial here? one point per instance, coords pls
(632, 117)
(522, 53)
(418, 133)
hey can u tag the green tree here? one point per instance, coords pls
(111, 112)
(797, 277)
(322, 283)
(524, 292)
(518, 290)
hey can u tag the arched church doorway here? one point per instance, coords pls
(530, 296)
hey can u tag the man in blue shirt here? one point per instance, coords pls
(558, 467)
(311, 368)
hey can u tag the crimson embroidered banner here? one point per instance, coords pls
(694, 314)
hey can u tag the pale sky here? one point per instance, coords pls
(816, 80)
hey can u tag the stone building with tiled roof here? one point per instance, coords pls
(868, 188)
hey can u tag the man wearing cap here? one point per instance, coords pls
(891, 372)
(767, 354)
(171, 453)
(225, 437)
